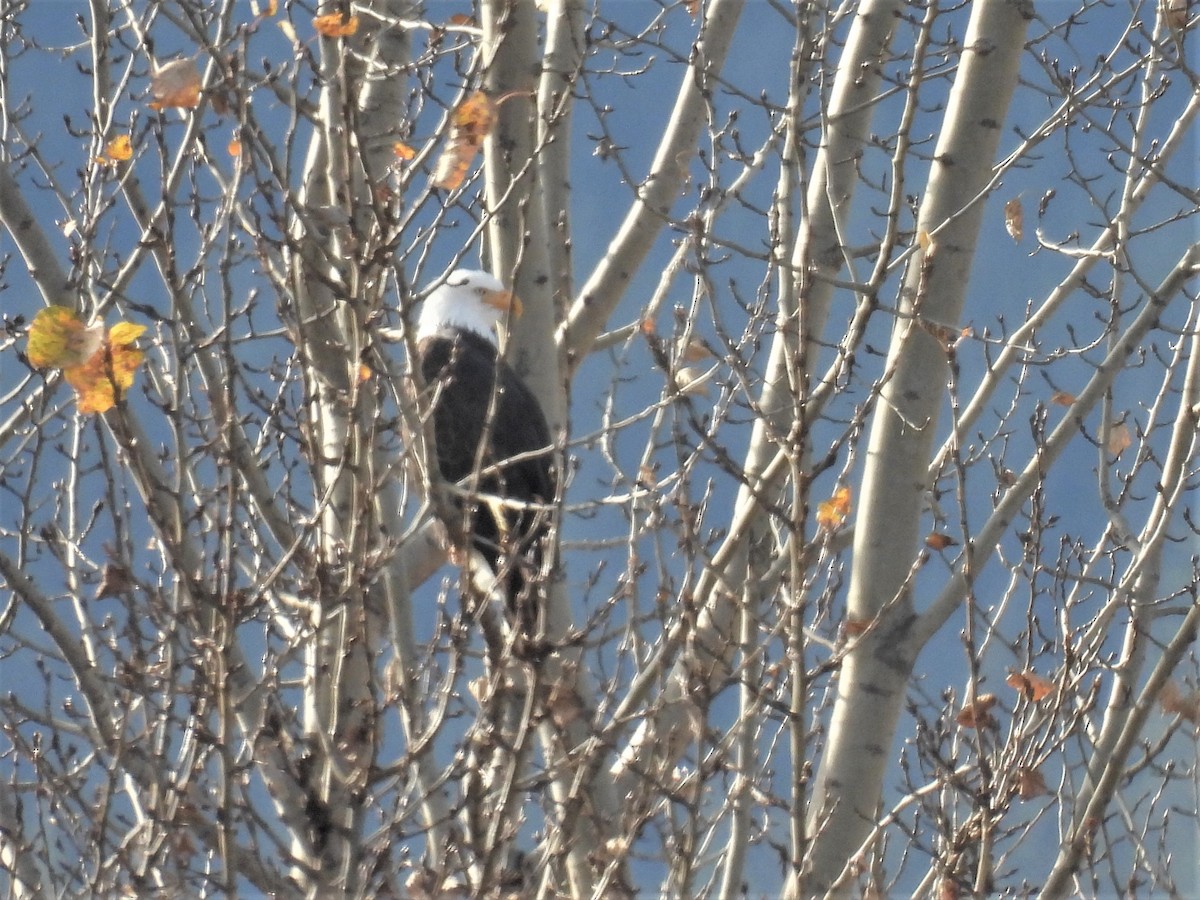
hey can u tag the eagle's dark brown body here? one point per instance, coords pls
(463, 372)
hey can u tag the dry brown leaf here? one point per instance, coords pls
(1062, 398)
(695, 351)
(855, 627)
(114, 582)
(976, 715)
(175, 85)
(1031, 783)
(938, 541)
(948, 336)
(1172, 700)
(1175, 13)
(693, 7)
(564, 704)
(1119, 439)
(1014, 219)
(1031, 685)
(470, 123)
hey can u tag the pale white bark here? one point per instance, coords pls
(818, 250)
(871, 684)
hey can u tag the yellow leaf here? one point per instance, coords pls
(832, 513)
(470, 123)
(109, 372)
(125, 333)
(119, 149)
(1014, 219)
(336, 25)
(58, 339)
(177, 84)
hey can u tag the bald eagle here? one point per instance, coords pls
(487, 423)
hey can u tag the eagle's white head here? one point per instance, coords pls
(470, 299)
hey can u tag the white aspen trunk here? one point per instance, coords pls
(818, 251)
(874, 676)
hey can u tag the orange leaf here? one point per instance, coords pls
(364, 372)
(403, 151)
(1031, 783)
(1014, 219)
(177, 84)
(1032, 685)
(335, 25)
(234, 147)
(470, 123)
(976, 715)
(110, 370)
(57, 338)
(1062, 398)
(460, 19)
(832, 513)
(119, 149)
(938, 541)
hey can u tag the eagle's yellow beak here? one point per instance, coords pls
(505, 301)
